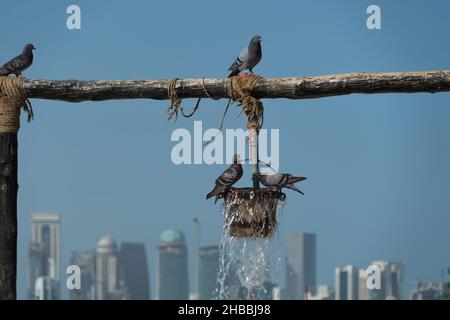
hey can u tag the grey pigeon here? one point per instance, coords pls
(20, 63)
(248, 58)
(280, 180)
(227, 178)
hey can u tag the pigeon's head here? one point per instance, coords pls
(256, 39)
(29, 47)
(236, 159)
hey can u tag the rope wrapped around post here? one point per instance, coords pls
(11, 100)
(240, 89)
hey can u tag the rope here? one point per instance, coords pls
(206, 91)
(175, 102)
(11, 100)
(220, 125)
(240, 89)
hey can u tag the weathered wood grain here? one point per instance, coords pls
(289, 88)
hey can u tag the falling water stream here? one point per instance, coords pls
(248, 267)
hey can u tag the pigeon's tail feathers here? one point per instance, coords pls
(235, 65)
(216, 191)
(233, 73)
(4, 72)
(292, 187)
(235, 68)
(295, 179)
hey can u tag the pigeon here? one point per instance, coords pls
(248, 58)
(20, 63)
(227, 178)
(280, 180)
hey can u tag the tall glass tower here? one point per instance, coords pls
(85, 260)
(134, 270)
(300, 265)
(44, 250)
(107, 269)
(172, 267)
(209, 268)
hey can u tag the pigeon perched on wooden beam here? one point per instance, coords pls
(248, 58)
(20, 63)
(227, 178)
(280, 180)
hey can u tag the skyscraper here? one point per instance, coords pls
(37, 266)
(363, 291)
(107, 270)
(209, 268)
(427, 291)
(44, 250)
(134, 270)
(46, 288)
(323, 292)
(85, 260)
(347, 283)
(300, 265)
(391, 281)
(172, 270)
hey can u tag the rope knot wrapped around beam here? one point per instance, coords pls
(240, 88)
(12, 99)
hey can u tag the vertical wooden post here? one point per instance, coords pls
(253, 145)
(8, 215)
(11, 100)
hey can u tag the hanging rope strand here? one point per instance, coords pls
(175, 102)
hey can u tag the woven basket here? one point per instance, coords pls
(252, 213)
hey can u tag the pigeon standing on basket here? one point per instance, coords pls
(248, 58)
(227, 178)
(280, 180)
(20, 63)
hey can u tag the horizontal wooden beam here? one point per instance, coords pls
(289, 88)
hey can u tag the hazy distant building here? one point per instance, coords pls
(44, 250)
(46, 288)
(107, 269)
(172, 267)
(134, 270)
(276, 293)
(85, 260)
(46, 232)
(323, 292)
(37, 266)
(363, 291)
(300, 265)
(391, 278)
(346, 283)
(427, 291)
(209, 268)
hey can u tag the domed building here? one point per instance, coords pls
(172, 266)
(171, 235)
(107, 269)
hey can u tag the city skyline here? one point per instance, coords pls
(377, 165)
(104, 270)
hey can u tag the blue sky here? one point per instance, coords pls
(377, 165)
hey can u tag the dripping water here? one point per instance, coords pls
(248, 267)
